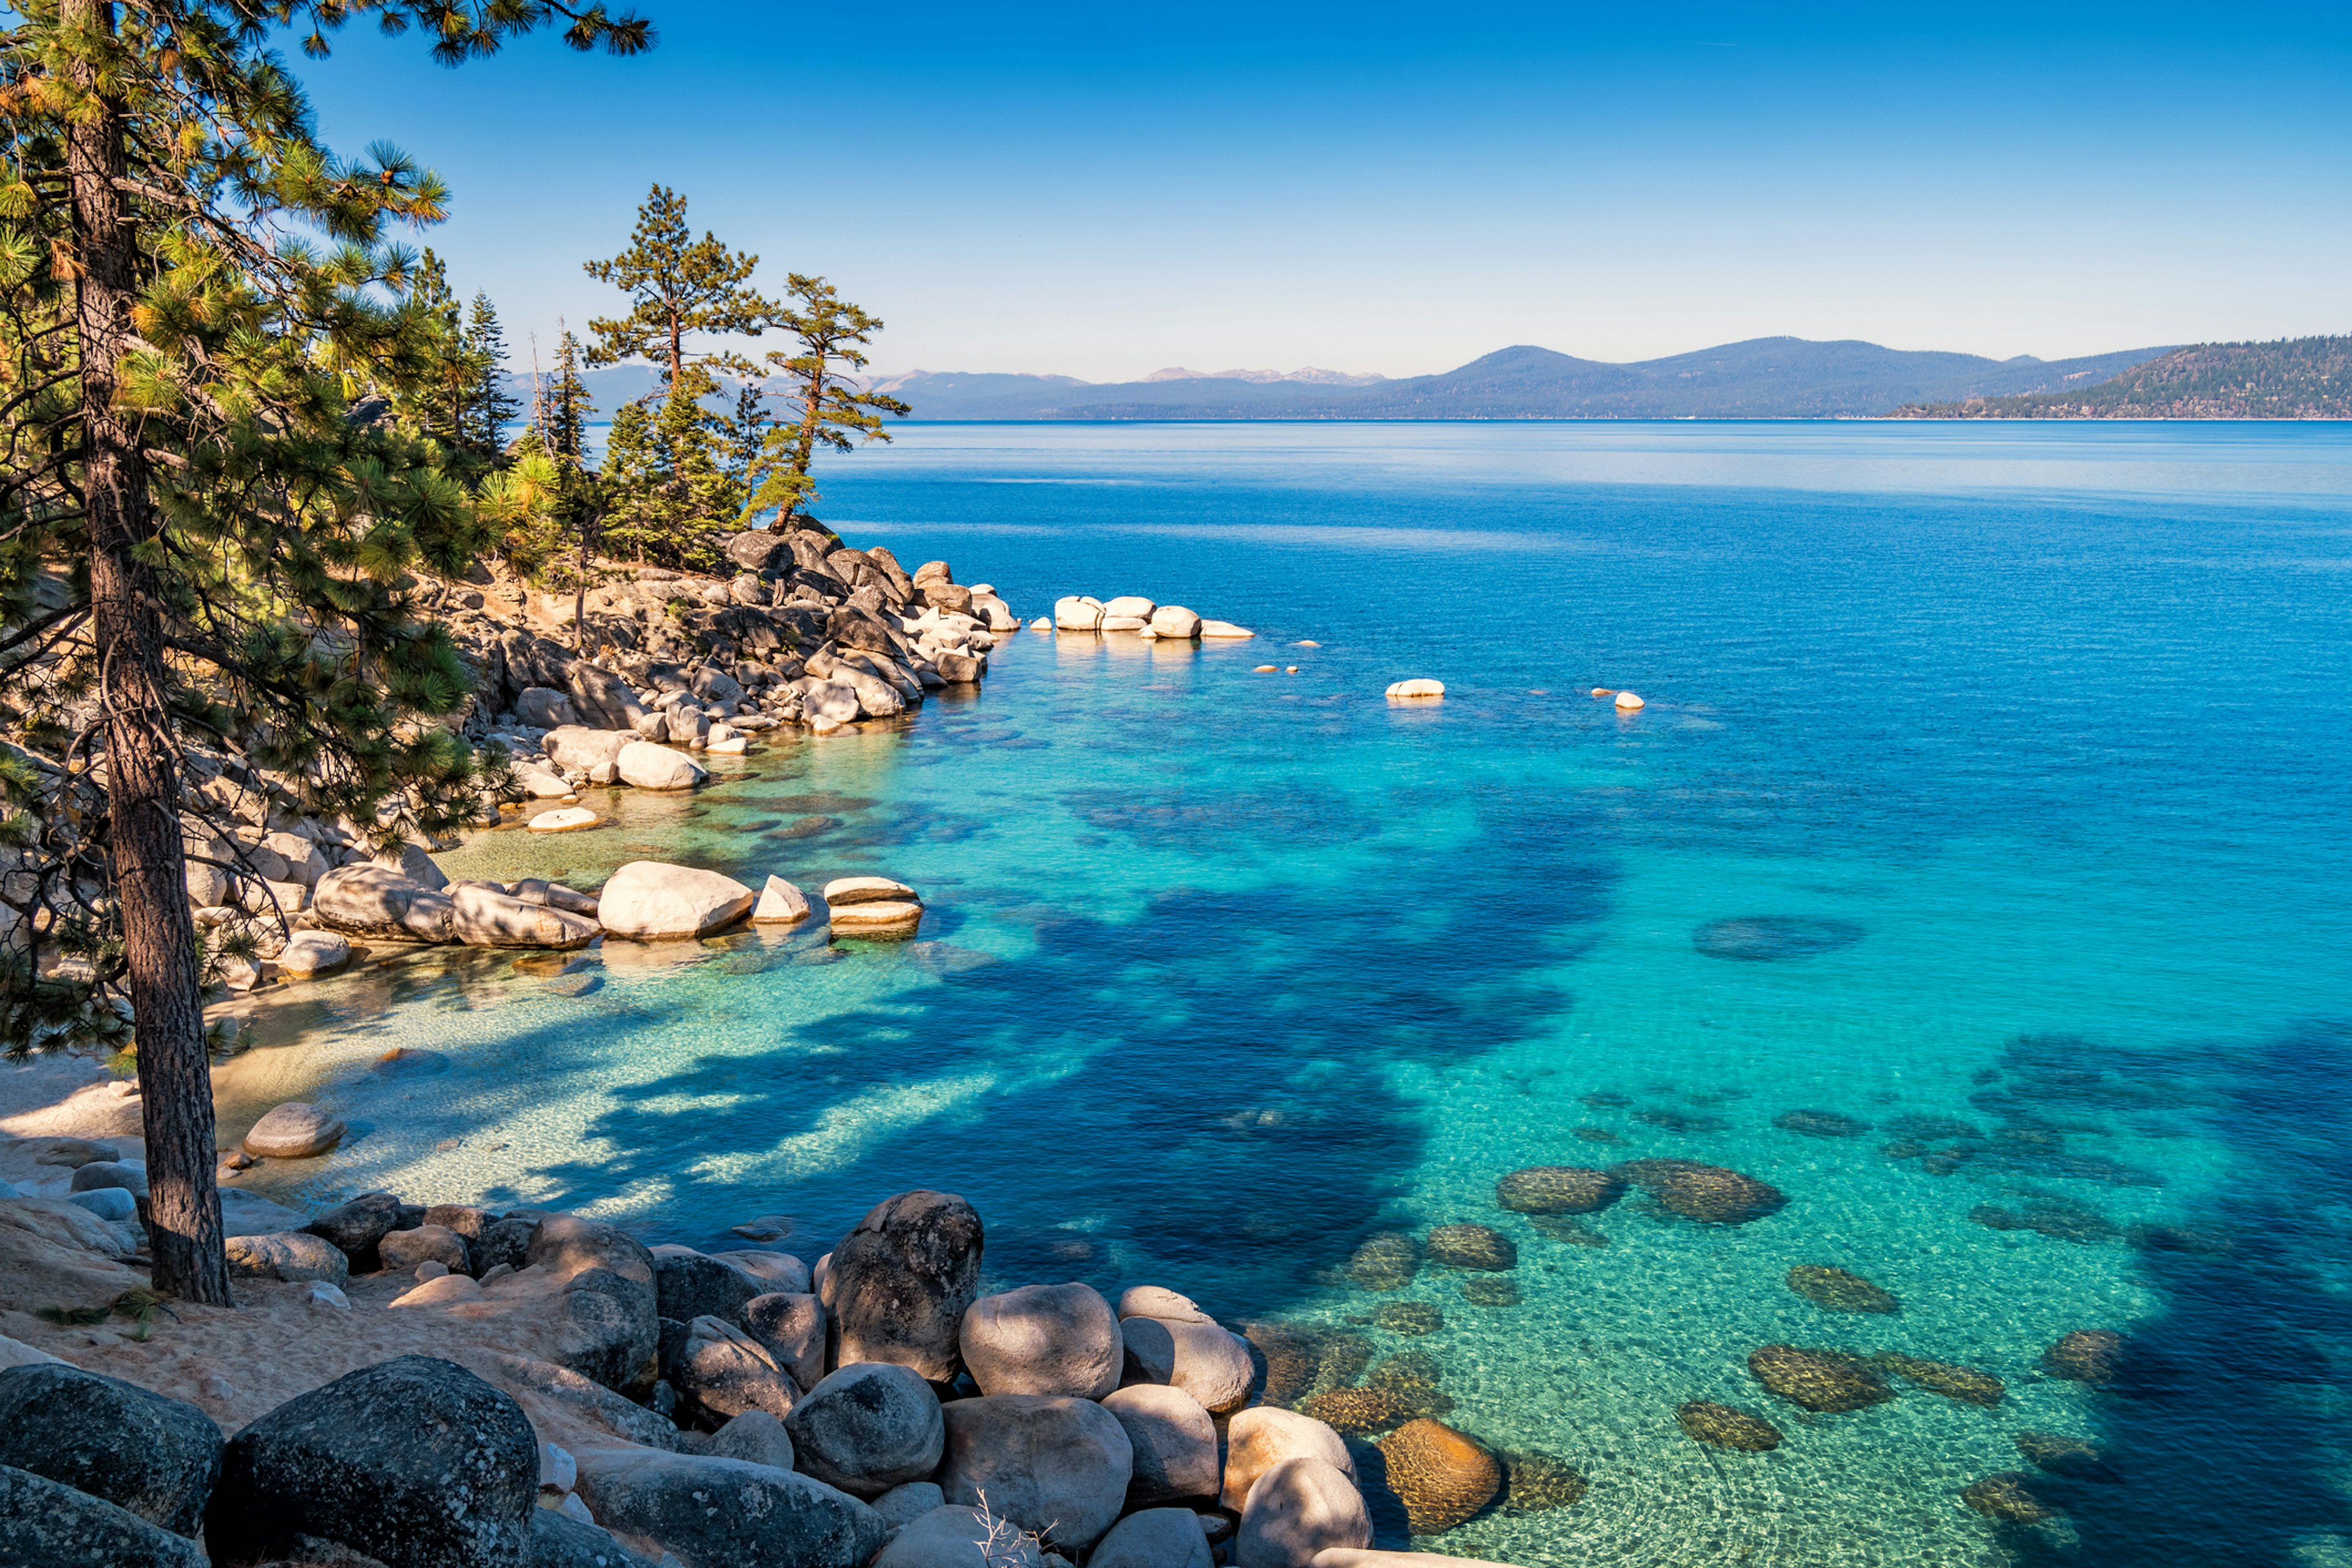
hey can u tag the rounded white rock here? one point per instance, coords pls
(572, 819)
(1419, 688)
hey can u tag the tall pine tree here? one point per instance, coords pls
(202, 553)
(819, 373)
(491, 407)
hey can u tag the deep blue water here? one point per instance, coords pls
(2026, 745)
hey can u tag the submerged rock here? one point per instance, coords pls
(1386, 1262)
(1413, 1377)
(2061, 1456)
(1964, 1383)
(1487, 1291)
(1711, 1194)
(1594, 1135)
(1472, 1246)
(2095, 1356)
(1836, 1290)
(1409, 1318)
(1442, 1476)
(1557, 1189)
(1820, 1124)
(2006, 1496)
(1830, 1381)
(1771, 938)
(1536, 1483)
(2061, 1219)
(1721, 1426)
(1568, 1229)
(1359, 1412)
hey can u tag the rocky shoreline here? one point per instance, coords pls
(533, 1388)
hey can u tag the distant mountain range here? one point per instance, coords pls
(1764, 378)
(2292, 378)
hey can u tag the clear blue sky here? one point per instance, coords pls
(1101, 190)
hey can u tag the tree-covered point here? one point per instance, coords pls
(2292, 378)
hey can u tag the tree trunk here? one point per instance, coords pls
(143, 771)
(812, 411)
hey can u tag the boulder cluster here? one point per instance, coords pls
(717, 1409)
(1138, 616)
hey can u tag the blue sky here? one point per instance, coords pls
(1101, 191)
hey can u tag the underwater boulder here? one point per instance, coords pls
(2006, 1496)
(1820, 1124)
(1711, 1194)
(1409, 1318)
(1441, 1475)
(1835, 1291)
(1472, 1246)
(1385, 1262)
(1965, 1384)
(1721, 1426)
(1774, 939)
(1488, 1290)
(2095, 1356)
(1536, 1483)
(1826, 1381)
(1557, 1189)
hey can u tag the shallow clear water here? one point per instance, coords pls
(2028, 744)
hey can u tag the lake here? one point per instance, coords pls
(1976, 876)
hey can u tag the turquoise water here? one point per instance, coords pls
(2027, 744)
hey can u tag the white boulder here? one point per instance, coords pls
(1298, 1509)
(571, 819)
(310, 953)
(1402, 691)
(1175, 621)
(651, 901)
(867, 890)
(1224, 629)
(1078, 615)
(293, 1131)
(780, 903)
(649, 766)
(1129, 606)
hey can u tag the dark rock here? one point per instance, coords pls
(1606, 1103)
(1359, 1412)
(1708, 1194)
(757, 550)
(1411, 1376)
(720, 1371)
(1567, 1227)
(899, 1283)
(1594, 1135)
(1721, 1426)
(1534, 1483)
(1472, 1246)
(157, 1458)
(1681, 1121)
(1386, 1262)
(867, 1428)
(1489, 1291)
(1838, 1291)
(608, 1330)
(460, 1219)
(560, 1541)
(1820, 1124)
(2095, 1356)
(506, 1241)
(1289, 1352)
(1441, 1475)
(1557, 1189)
(1341, 1356)
(1409, 1318)
(1772, 939)
(689, 1285)
(566, 1244)
(1928, 1128)
(713, 1512)
(1818, 1380)
(45, 1524)
(414, 1462)
(2007, 1497)
(2061, 1219)
(1964, 1383)
(358, 1225)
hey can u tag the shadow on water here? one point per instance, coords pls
(2226, 1433)
(1239, 1137)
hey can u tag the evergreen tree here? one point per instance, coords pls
(491, 407)
(834, 410)
(568, 406)
(434, 404)
(679, 289)
(202, 552)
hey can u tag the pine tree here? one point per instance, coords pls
(491, 407)
(836, 411)
(568, 406)
(437, 404)
(679, 289)
(201, 550)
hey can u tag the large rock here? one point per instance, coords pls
(566, 1243)
(1298, 1509)
(158, 1457)
(756, 1438)
(1042, 1338)
(1472, 1246)
(1157, 1302)
(1442, 1476)
(1721, 1426)
(1259, 1438)
(291, 1254)
(1174, 1440)
(649, 766)
(293, 1131)
(867, 1428)
(607, 1329)
(898, 1283)
(722, 1372)
(486, 916)
(414, 1462)
(1557, 1189)
(653, 901)
(713, 1512)
(1154, 1538)
(602, 698)
(1174, 621)
(1077, 614)
(575, 747)
(791, 1326)
(310, 954)
(962, 1537)
(243, 1213)
(45, 1524)
(544, 708)
(368, 899)
(403, 1250)
(780, 903)
(1057, 1465)
(1205, 1361)
(757, 550)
